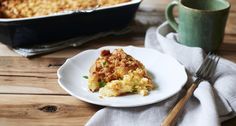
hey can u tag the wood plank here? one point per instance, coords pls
(41, 67)
(35, 76)
(29, 85)
(231, 24)
(48, 110)
(228, 55)
(44, 110)
(230, 38)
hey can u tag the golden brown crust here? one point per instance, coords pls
(31, 8)
(117, 73)
(113, 66)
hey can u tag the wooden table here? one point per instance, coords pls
(30, 95)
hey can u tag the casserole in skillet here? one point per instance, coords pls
(22, 30)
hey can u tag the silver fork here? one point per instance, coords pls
(205, 72)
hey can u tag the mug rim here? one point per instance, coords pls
(228, 5)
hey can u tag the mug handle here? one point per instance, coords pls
(169, 15)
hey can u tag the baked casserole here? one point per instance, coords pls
(32, 8)
(118, 73)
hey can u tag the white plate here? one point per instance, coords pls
(166, 72)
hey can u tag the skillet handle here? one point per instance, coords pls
(172, 116)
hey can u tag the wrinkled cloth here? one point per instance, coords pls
(212, 102)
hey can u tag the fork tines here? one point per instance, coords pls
(207, 69)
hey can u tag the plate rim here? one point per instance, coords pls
(114, 105)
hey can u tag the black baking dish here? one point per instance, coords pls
(23, 32)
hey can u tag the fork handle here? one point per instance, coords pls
(175, 112)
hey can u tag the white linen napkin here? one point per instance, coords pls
(212, 103)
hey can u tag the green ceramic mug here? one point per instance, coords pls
(201, 23)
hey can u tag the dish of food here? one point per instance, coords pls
(118, 73)
(28, 27)
(32, 8)
(166, 74)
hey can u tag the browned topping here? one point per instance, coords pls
(105, 53)
(31, 8)
(113, 66)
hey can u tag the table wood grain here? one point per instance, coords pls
(31, 96)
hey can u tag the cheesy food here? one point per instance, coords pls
(118, 73)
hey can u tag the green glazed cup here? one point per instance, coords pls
(201, 23)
